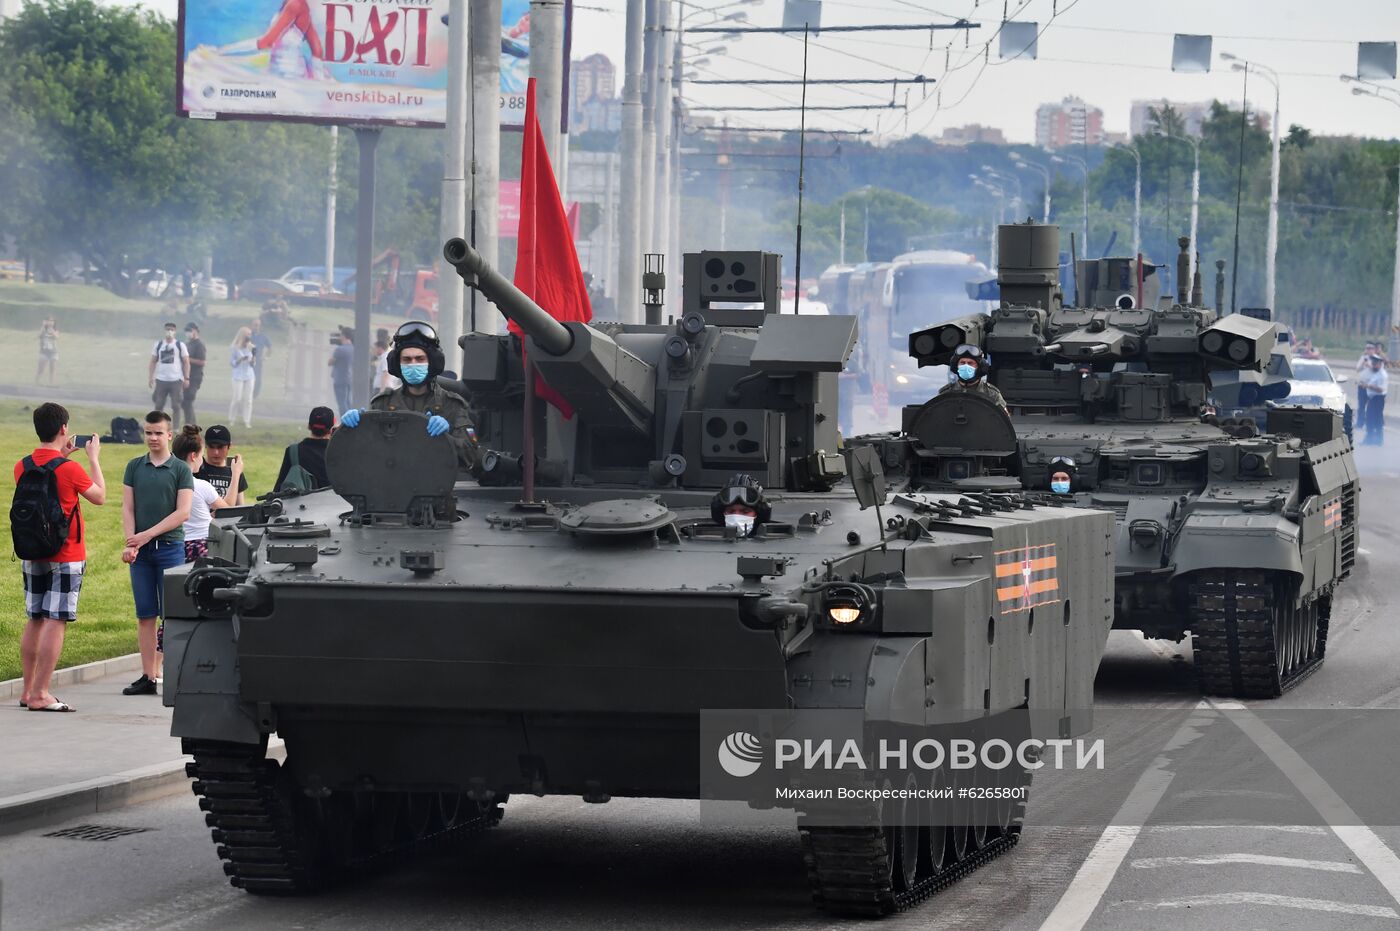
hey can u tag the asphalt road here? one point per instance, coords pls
(560, 863)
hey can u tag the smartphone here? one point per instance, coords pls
(81, 440)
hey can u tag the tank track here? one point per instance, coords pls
(265, 828)
(1233, 641)
(850, 872)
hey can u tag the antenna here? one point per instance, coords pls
(801, 167)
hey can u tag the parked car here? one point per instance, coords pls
(213, 289)
(1313, 383)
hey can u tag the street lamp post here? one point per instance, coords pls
(1003, 178)
(1137, 198)
(1000, 194)
(1195, 145)
(1271, 256)
(1044, 174)
(1367, 89)
(1083, 167)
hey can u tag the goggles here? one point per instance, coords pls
(968, 349)
(416, 328)
(739, 494)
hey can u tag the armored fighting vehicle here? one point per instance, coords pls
(425, 645)
(1235, 532)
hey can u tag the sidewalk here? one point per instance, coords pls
(115, 750)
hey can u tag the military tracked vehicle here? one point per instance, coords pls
(427, 646)
(1234, 531)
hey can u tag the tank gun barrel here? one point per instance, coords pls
(549, 334)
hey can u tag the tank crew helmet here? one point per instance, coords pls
(969, 362)
(740, 504)
(1062, 474)
(422, 335)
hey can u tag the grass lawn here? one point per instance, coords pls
(105, 344)
(106, 624)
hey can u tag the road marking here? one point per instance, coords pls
(1264, 898)
(1312, 829)
(1258, 859)
(1087, 889)
(1365, 843)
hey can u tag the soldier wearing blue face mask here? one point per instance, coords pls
(970, 368)
(416, 358)
(1061, 475)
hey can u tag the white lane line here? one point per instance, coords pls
(1258, 859)
(1363, 842)
(1264, 898)
(1096, 873)
(1311, 829)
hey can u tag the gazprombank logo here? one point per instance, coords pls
(740, 754)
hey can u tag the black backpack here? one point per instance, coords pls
(37, 522)
(126, 430)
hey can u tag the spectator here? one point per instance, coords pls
(189, 448)
(198, 354)
(169, 373)
(262, 351)
(51, 586)
(48, 351)
(157, 490)
(342, 363)
(376, 356)
(221, 470)
(309, 454)
(1376, 380)
(241, 357)
(187, 281)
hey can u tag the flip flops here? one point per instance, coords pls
(53, 706)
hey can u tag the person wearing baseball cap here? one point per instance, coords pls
(304, 462)
(220, 469)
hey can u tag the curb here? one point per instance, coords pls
(106, 793)
(71, 675)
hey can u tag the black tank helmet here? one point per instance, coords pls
(741, 489)
(420, 334)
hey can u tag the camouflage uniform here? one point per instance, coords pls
(980, 386)
(450, 406)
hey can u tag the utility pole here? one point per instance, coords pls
(484, 49)
(841, 255)
(629, 267)
(547, 68)
(650, 43)
(452, 213)
(330, 208)
(661, 111)
(368, 138)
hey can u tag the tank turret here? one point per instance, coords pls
(732, 385)
(1128, 360)
(1176, 417)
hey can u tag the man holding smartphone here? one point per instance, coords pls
(222, 470)
(51, 585)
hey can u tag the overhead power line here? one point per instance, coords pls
(858, 106)
(920, 79)
(872, 27)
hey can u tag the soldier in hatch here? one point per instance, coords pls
(1062, 475)
(416, 358)
(740, 504)
(970, 367)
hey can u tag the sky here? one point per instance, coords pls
(1109, 52)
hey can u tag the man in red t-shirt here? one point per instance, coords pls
(51, 586)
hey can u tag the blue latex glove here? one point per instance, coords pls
(438, 425)
(350, 418)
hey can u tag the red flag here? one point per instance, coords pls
(546, 265)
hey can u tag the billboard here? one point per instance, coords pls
(336, 61)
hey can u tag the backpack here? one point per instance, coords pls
(37, 522)
(126, 430)
(298, 478)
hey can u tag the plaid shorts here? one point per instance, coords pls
(51, 589)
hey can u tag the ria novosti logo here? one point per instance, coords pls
(740, 754)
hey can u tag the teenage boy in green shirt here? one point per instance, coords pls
(157, 489)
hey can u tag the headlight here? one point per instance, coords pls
(850, 606)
